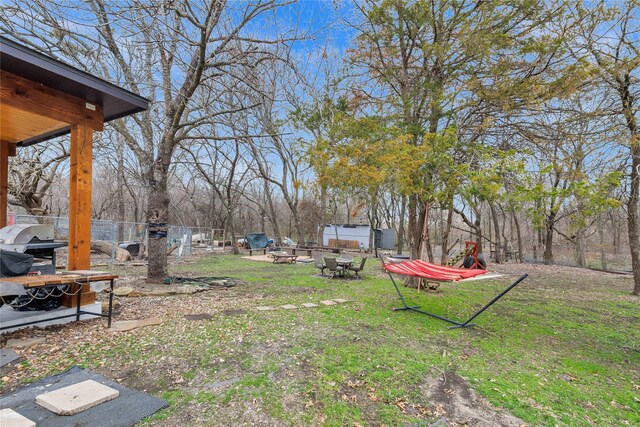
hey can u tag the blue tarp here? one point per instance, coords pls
(257, 240)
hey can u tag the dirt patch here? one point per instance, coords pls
(141, 380)
(451, 397)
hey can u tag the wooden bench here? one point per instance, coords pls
(310, 249)
(295, 251)
(263, 250)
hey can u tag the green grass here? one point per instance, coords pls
(556, 351)
(542, 355)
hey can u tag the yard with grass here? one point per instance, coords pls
(561, 349)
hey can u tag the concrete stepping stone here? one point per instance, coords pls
(309, 304)
(328, 302)
(340, 300)
(123, 291)
(267, 308)
(127, 325)
(10, 418)
(289, 307)
(7, 355)
(77, 397)
(18, 344)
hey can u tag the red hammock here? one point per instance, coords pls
(442, 273)
(427, 270)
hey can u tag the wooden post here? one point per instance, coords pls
(4, 181)
(80, 198)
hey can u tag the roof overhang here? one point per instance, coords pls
(60, 78)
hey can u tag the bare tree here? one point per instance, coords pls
(34, 171)
(607, 34)
(286, 174)
(164, 51)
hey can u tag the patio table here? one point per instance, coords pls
(344, 263)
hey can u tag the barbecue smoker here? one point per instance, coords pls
(33, 241)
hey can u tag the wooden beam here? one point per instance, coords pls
(4, 180)
(80, 198)
(30, 96)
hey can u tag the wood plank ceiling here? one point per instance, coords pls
(18, 125)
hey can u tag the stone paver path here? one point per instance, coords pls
(17, 343)
(328, 302)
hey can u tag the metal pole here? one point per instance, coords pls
(404, 303)
(110, 304)
(79, 299)
(500, 295)
(114, 233)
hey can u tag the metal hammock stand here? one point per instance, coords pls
(457, 324)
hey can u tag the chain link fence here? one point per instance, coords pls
(211, 239)
(126, 235)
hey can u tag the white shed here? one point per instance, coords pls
(348, 236)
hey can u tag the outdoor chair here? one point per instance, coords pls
(359, 268)
(319, 263)
(333, 267)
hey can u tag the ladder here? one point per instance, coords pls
(470, 249)
(457, 257)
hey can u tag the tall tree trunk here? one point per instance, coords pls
(426, 238)
(231, 228)
(212, 209)
(616, 227)
(445, 237)
(272, 214)
(497, 234)
(516, 223)
(374, 221)
(548, 239)
(627, 97)
(157, 212)
(120, 187)
(633, 213)
(603, 255)
(401, 230)
(414, 228)
(580, 248)
(323, 214)
(424, 242)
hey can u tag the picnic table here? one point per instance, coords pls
(283, 257)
